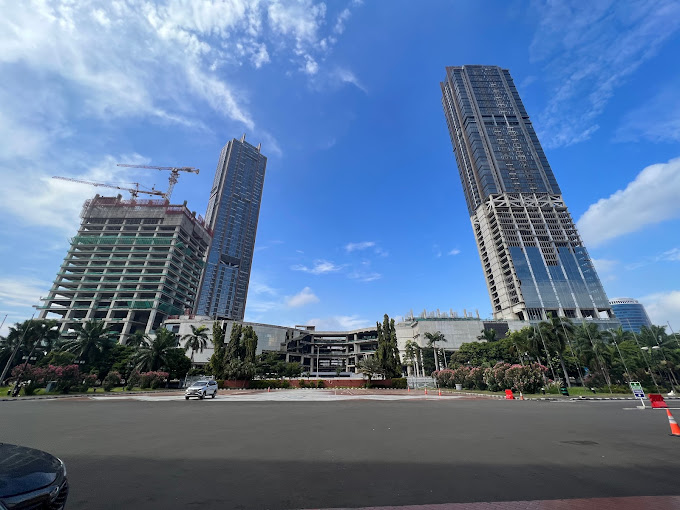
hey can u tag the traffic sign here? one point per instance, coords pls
(637, 389)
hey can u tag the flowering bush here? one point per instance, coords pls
(494, 377)
(459, 375)
(475, 379)
(66, 377)
(153, 380)
(527, 379)
(133, 381)
(111, 380)
(89, 381)
(443, 377)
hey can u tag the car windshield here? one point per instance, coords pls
(200, 383)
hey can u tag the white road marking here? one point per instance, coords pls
(278, 396)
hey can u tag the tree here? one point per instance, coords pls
(432, 340)
(217, 361)
(411, 355)
(557, 333)
(177, 363)
(249, 344)
(370, 367)
(488, 334)
(197, 340)
(388, 351)
(93, 340)
(234, 345)
(137, 339)
(154, 355)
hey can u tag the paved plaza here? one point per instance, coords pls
(310, 449)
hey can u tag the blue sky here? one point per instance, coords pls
(363, 212)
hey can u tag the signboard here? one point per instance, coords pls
(637, 389)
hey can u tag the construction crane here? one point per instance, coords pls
(133, 191)
(174, 174)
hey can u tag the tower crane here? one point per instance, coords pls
(133, 191)
(174, 174)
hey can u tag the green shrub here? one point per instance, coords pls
(285, 384)
(399, 383)
(321, 384)
(302, 383)
(111, 380)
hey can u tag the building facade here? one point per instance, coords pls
(534, 261)
(132, 264)
(232, 215)
(631, 313)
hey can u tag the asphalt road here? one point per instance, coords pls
(282, 455)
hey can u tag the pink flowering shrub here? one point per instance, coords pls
(475, 379)
(153, 380)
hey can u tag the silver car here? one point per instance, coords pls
(201, 389)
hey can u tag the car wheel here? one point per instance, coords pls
(186, 398)
(202, 396)
(213, 395)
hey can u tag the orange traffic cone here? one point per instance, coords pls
(425, 391)
(408, 389)
(521, 397)
(268, 389)
(675, 430)
(440, 393)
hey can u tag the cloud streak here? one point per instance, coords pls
(588, 50)
(649, 199)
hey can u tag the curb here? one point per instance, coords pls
(71, 395)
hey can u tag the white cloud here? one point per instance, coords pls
(302, 298)
(662, 307)
(350, 247)
(340, 22)
(310, 66)
(340, 323)
(651, 198)
(605, 265)
(588, 51)
(364, 276)
(455, 251)
(36, 199)
(347, 76)
(656, 120)
(320, 267)
(22, 291)
(437, 251)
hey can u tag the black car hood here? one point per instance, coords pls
(25, 469)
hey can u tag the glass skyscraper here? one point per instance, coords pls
(232, 215)
(631, 313)
(534, 261)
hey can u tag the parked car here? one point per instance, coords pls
(201, 389)
(31, 478)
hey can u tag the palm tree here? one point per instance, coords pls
(93, 339)
(432, 339)
(370, 367)
(24, 338)
(154, 355)
(558, 332)
(488, 334)
(197, 340)
(411, 355)
(137, 339)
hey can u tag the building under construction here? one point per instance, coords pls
(132, 264)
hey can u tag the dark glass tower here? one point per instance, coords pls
(232, 215)
(533, 258)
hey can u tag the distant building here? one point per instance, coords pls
(132, 264)
(631, 313)
(534, 261)
(320, 353)
(233, 212)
